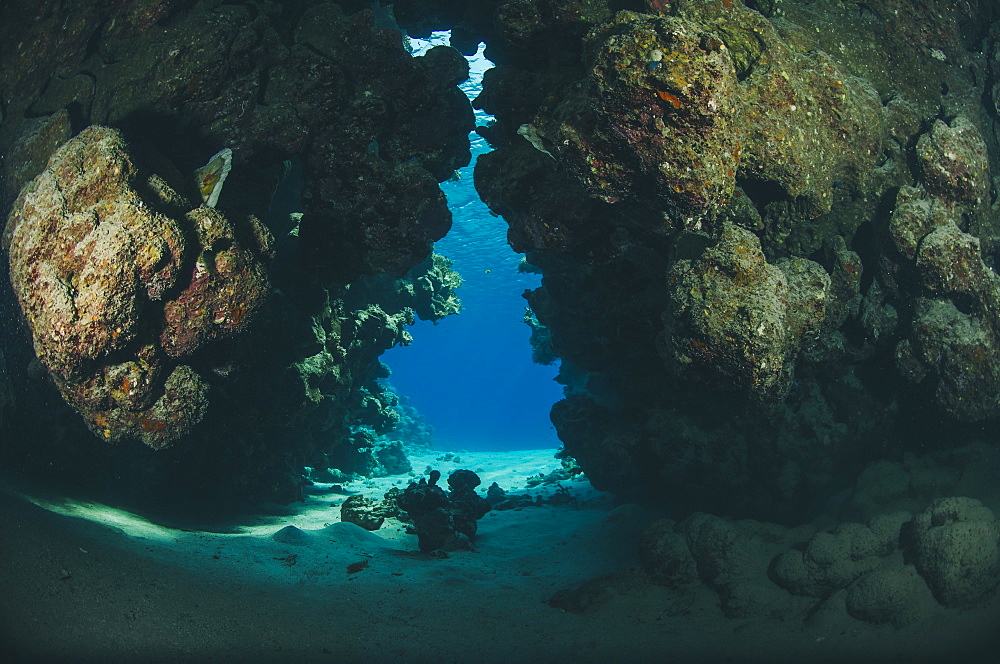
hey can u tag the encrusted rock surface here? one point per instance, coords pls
(735, 315)
(953, 161)
(899, 570)
(98, 271)
(898, 596)
(445, 521)
(743, 213)
(665, 555)
(957, 542)
(684, 105)
(830, 560)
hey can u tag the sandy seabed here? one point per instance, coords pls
(86, 582)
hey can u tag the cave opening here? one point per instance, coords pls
(471, 376)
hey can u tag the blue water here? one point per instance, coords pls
(471, 375)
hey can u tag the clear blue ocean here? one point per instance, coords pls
(471, 375)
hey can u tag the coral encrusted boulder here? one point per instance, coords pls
(120, 285)
(739, 320)
(957, 543)
(445, 521)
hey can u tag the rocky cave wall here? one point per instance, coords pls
(767, 232)
(767, 229)
(239, 343)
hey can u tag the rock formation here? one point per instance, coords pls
(120, 289)
(767, 232)
(766, 246)
(243, 350)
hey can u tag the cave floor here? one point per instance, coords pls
(86, 582)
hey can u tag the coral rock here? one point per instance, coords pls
(954, 162)
(665, 555)
(896, 595)
(957, 543)
(90, 260)
(736, 317)
(830, 560)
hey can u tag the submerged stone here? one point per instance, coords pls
(96, 267)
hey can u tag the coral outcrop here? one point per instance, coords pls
(833, 560)
(727, 557)
(897, 570)
(445, 521)
(683, 105)
(896, 596)
(953, 342)
(364, 512)
(957, 543)
(118, 294)
(737, 317)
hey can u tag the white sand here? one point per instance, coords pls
(83, 581)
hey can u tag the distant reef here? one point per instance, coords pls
(767, 231)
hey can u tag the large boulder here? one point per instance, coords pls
(665, 555)
(957, 543)
(736, 319)
(896, 595)
(830, 560)
(121, 285)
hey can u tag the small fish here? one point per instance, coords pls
(532, 136)
(669, 97)
(212, 176)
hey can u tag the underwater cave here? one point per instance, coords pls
(500, 330)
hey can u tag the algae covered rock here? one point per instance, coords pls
(227, 285)
(830, 560)
(897, 595)
(624, 140)
(731, 558)
(665, 555)
(957, 544)
(954, 332)
(363, 512)
(98, 270)
(914, 216)
(738, 318)
(682, 105)
(961, 352)
(953, 161)
(663, 90)
(722, 549)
